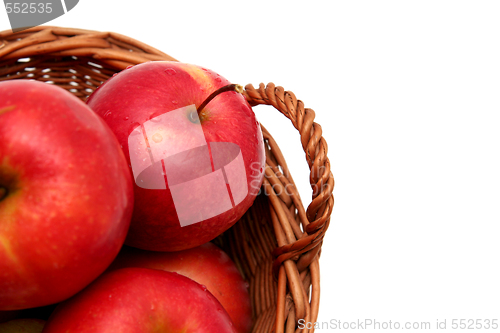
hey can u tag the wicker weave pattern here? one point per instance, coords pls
(75, 59)
(276, 245)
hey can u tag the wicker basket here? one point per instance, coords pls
(276, 244)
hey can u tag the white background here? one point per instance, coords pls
(408, 95)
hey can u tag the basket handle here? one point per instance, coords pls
(297, 249)
(313, 144)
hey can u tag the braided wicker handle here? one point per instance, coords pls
(298, 248)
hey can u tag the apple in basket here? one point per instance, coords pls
(66, 195)
(194, 148)
(206, 264)
(141, 300)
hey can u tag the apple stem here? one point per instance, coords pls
(230, 87)
(3, 193)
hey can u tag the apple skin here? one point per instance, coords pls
(23, 325)
(69, 195)
(141, 300)
(145, 91)
(206, 264)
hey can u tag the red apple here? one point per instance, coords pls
(141, 300)
(197, 168)
(66, 195)
(206, 264)
(23, 325)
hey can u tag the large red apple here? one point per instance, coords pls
(141, 300)
(66, 195)
(197, 168)
(206, 264)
